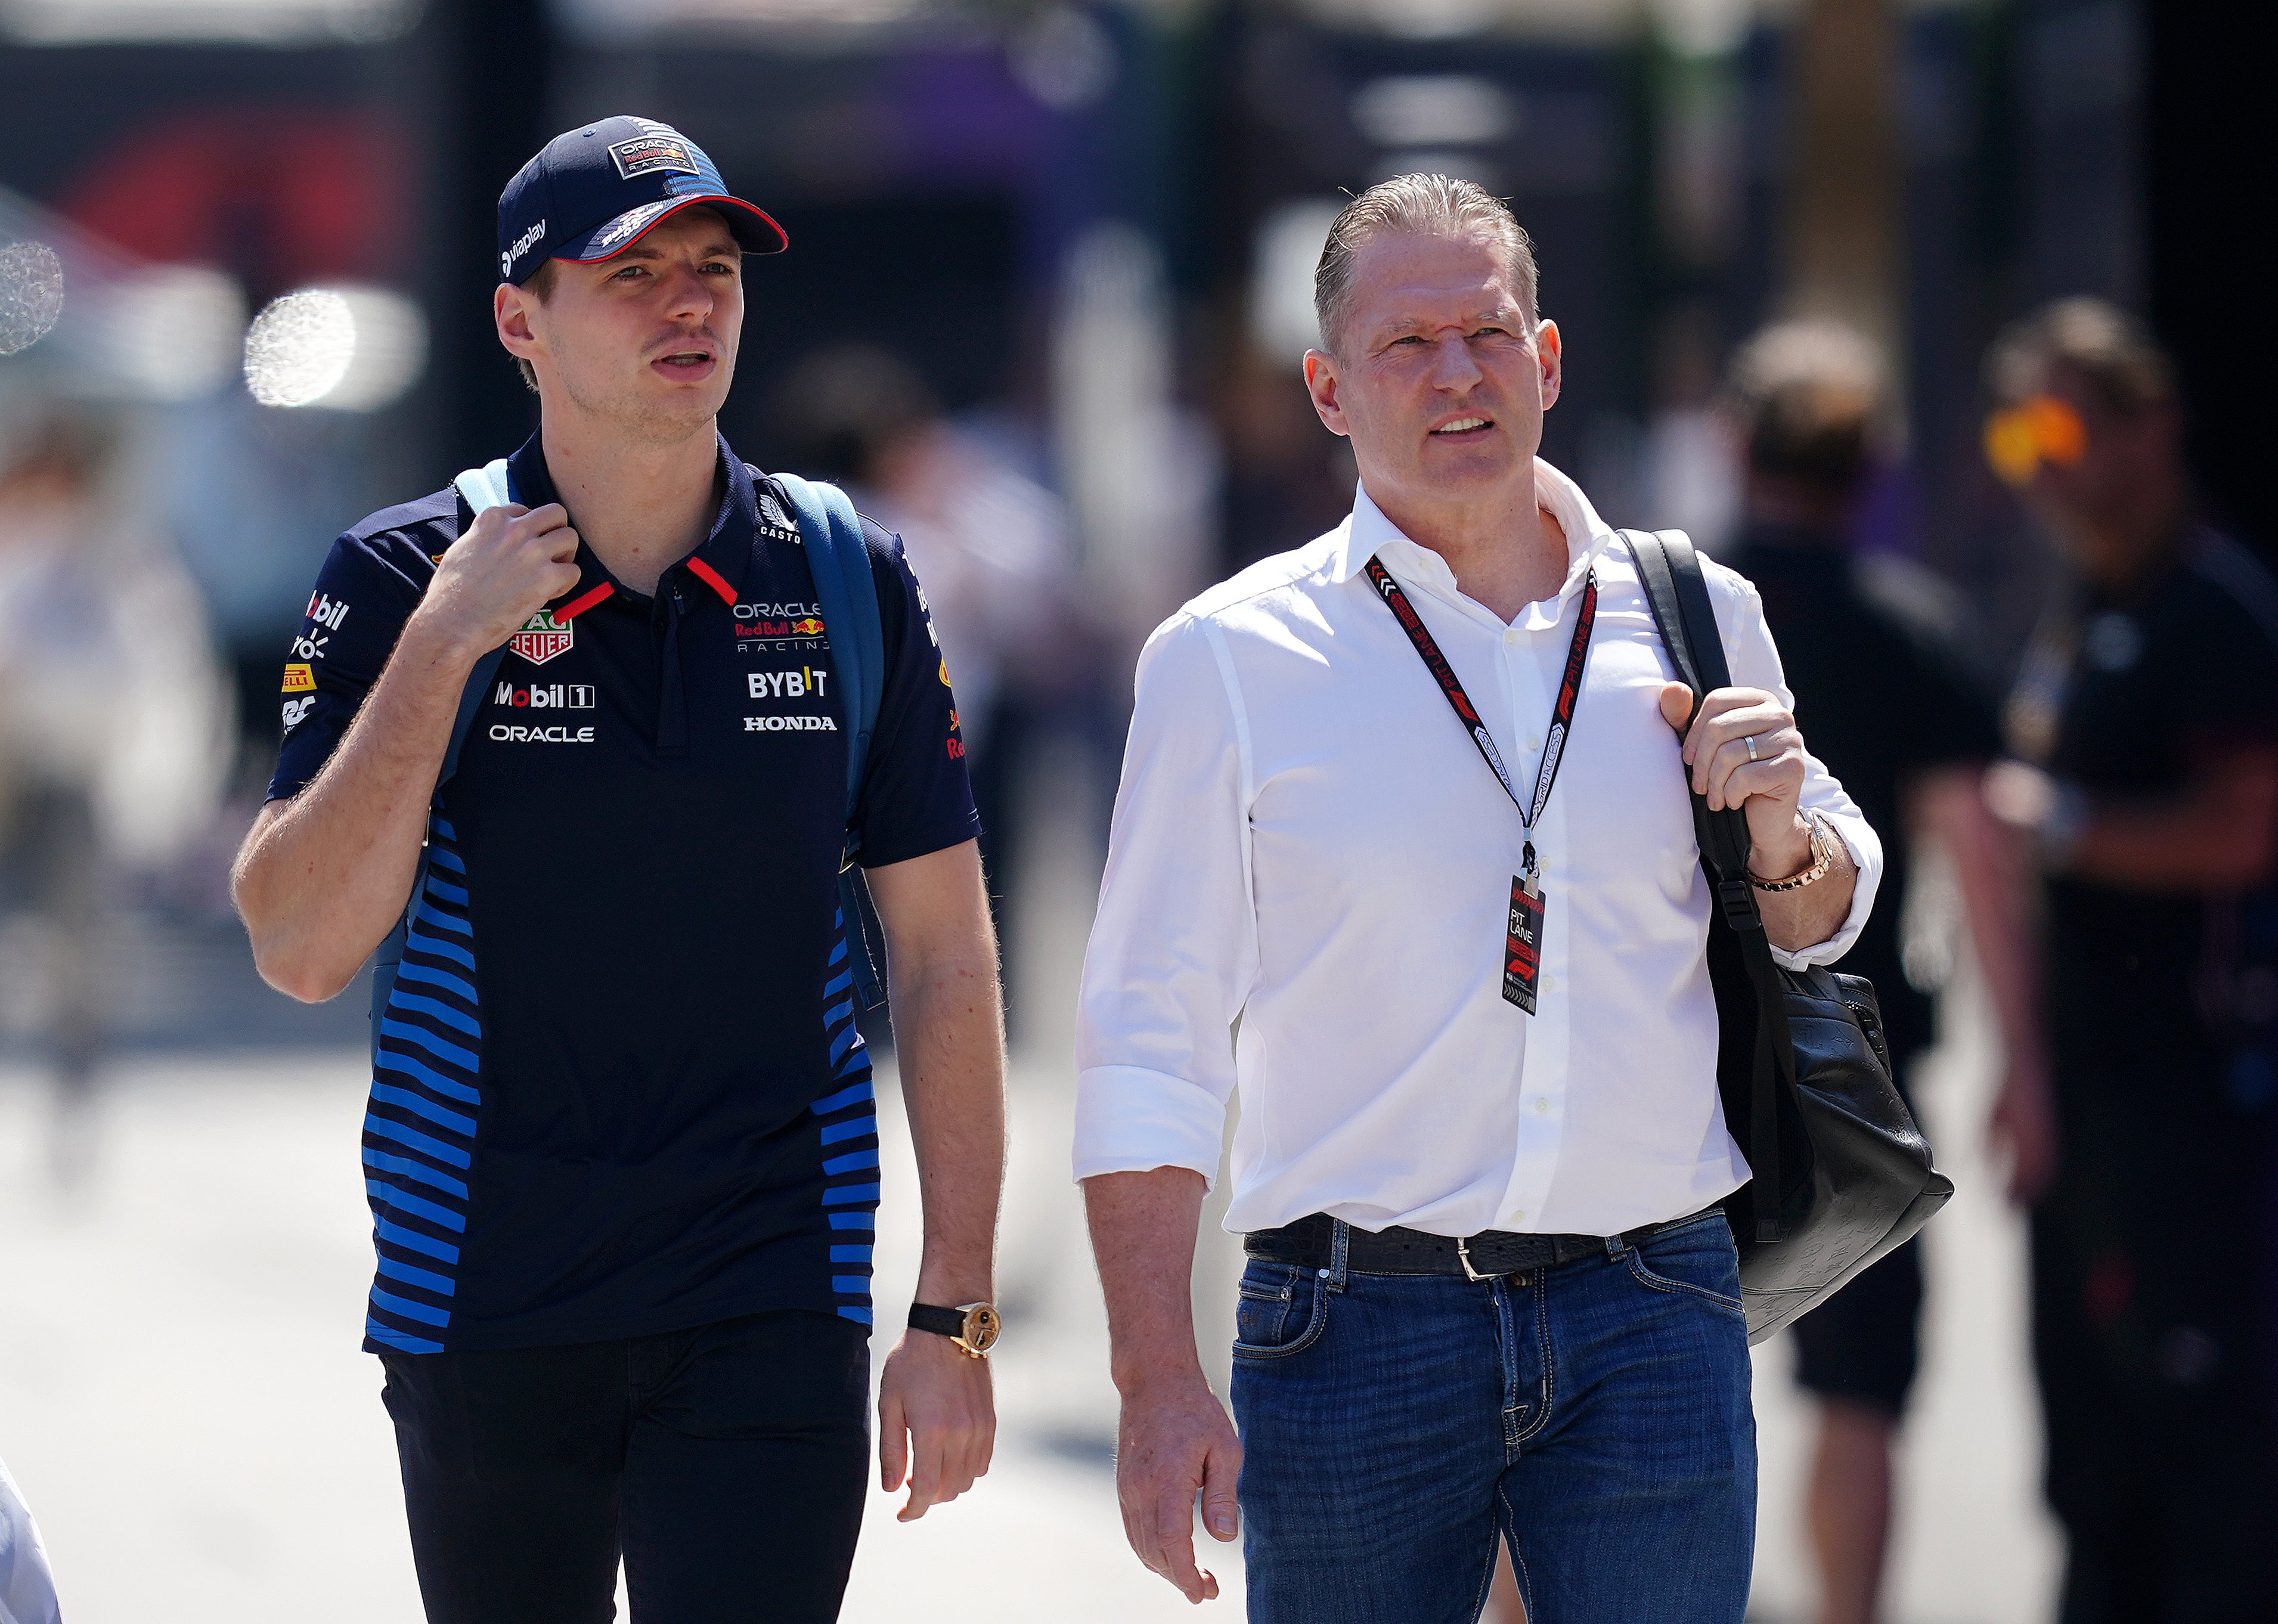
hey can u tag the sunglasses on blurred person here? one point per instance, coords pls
(2019, 438)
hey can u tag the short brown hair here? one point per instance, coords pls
(1426, 205)
(2123, 363)
(1803, 397)
(540, 283)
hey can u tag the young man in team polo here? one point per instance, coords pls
(590, 748)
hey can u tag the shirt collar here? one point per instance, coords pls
(1368, 531)
(725, 553)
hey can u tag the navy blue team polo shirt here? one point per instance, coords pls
(618, 1087)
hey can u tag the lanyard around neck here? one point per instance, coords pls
(1562, 715)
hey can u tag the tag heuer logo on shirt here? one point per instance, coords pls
(542, 637)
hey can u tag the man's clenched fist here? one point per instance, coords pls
(511, 562)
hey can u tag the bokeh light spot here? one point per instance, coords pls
(31, 294)
(346, 349)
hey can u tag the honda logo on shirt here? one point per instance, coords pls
(542, 638)
(546, 696)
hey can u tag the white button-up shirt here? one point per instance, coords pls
(1307, 892)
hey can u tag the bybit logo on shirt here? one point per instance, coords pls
(784, 684)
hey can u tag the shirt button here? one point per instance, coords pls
(1518, 1217)
(1541, 1106)
(1532, 745)
(1511, 634)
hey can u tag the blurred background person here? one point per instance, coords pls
(992, 545)
(1877, 653)
(2145, 724)
(113, 726)
(27, 1589)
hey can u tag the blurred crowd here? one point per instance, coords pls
(2062, 717)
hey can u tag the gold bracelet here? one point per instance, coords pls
(1822, 858)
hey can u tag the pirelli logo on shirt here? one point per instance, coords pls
(300, 678)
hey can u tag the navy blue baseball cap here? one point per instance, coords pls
(592, 194)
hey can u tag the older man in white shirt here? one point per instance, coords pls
(1403, 851)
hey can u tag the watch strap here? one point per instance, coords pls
(940, 1321)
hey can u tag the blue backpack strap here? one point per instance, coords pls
(840, 559)
(488, 486)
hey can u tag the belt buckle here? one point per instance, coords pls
(1463, 1256)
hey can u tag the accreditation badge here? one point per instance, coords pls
(1521, 950)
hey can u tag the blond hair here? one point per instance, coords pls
(1421, 205)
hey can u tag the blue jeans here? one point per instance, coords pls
(1596, 1414)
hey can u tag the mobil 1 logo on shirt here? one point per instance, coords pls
(545, 695)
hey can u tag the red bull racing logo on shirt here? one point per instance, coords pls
(777, 624)
(542, 638)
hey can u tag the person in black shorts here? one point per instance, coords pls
(1873, 650)
(623, 1146)
(2145, 721)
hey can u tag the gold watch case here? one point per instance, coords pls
(983, 1327)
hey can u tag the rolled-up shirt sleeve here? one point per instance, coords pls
(1173, 947)
(1755, 663)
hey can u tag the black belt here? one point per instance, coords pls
(1307, 1244)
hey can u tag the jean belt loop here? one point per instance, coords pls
(1615, 1246)
(1340, 1241)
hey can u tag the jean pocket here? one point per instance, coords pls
(1697, 1260)
(1280, 1312)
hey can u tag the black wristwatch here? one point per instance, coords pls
(974, 1327)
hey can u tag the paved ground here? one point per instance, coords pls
(182, 1399)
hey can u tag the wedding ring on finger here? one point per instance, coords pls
(1750, 741)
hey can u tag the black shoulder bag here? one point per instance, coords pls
(1842, 1175)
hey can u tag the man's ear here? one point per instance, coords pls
(1321, 383)
(510, 314)
(1551, 356)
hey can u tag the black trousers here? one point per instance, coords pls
(726, 1464)
(2149, 1261)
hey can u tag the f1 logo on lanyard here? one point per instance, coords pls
(1522, 959)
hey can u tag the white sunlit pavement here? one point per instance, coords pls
(183, 1402)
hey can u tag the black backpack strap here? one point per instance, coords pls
(1676, 592)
